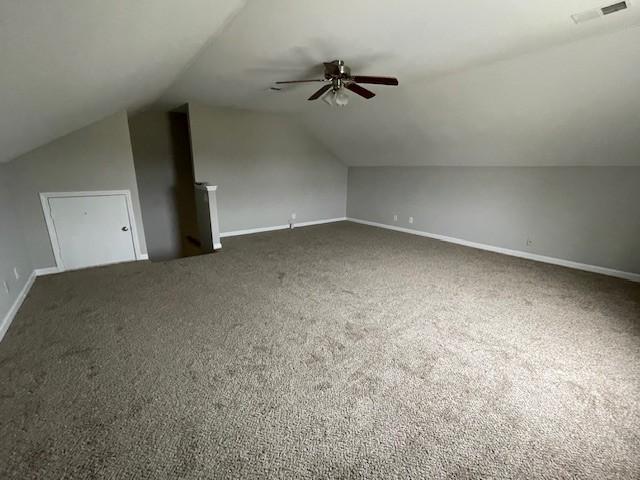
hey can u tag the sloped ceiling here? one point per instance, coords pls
(67, 63)
(571, 105)
(482, 83)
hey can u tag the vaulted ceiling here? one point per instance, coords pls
(67, 63)
(482, 83)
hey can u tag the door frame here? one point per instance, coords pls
(53, 236)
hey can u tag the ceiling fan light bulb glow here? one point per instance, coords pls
(341, 98)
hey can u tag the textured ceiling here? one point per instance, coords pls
(67, 63)
(482, 83)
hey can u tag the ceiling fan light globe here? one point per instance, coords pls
(329, 98)
(341, 98)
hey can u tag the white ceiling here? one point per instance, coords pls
(482, 83)
(574, 104)
(67, 63)
(273, 40)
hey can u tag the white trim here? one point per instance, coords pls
(207, 187)
(249, 231)
(8, 318)
(46, 271)
(217, 246)
(634, 277)
(143, 256)
(44, 200)
(319, 222)
(280, 227)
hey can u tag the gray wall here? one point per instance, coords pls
(584, 214)
(97, 157)
(162, 157)
(13, 252)
(266, 167)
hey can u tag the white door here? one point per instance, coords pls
(92, 230)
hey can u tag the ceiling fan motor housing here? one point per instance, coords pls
(336, 69)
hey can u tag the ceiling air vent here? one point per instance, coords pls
(599, 12)
(616, 7)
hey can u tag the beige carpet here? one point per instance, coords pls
(339, 351)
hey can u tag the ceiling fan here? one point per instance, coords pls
(337, 77)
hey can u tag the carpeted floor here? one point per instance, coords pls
(338, 351)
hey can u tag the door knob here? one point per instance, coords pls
(124, 229)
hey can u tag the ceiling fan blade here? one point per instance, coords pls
(363, 92)
(321, 92)
(375, 80)
(302, 81)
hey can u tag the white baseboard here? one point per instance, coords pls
(8, 318)
(280, 227)
(319, 222)
(249, 231)
(51, 270)
(46, 271)
(217, 246)
(634, 277)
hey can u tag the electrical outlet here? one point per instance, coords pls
(293, 216)
(410, 219)
(395, 217)
(6, 286)
(16, 273)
